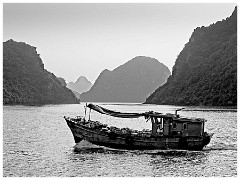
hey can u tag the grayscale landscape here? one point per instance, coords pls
(119, 90)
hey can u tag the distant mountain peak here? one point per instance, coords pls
(82, 78)
(81, 85)
(130, 82)
(143, 58)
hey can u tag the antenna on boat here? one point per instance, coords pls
(89, 113)
(85, 111)
(178, 110)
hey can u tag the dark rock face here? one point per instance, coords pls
(205, 72)
(25, 81)
(80, 86)
(130, 82)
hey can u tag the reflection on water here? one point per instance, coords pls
(38, 142)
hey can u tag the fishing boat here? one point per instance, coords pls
(169, 131)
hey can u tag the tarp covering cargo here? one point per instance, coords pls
(114, 113)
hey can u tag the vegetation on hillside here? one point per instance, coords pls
(205, 72)
(25, 81)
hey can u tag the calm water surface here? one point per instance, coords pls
(38, 142)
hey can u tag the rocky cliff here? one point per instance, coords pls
(205, 72)
(25, 81)
(130, 82)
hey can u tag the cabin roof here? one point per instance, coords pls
(177, 117)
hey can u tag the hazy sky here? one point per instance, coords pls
(84, 39)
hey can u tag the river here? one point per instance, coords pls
(38, 143)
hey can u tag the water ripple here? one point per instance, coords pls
(38, 143)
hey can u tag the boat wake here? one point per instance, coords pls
(86, 147)
(220, 149)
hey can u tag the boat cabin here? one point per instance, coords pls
(162, 124)
(173, 125)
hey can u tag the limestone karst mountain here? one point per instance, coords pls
(81, 85)
(130, 82)
(25, 81)
(205, 72)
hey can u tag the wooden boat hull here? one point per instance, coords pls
(116, 141)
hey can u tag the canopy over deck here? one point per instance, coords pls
(114, 113)
(147, 115)
(103, 110)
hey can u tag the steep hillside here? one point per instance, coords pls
(25, 81)
(130, 82)
(205, 72)
(80, 86)
(63, 82)
(77, 94)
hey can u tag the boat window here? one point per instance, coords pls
(185, 126)
(159, 120)
(174, 126)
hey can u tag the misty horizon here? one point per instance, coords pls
(88, 38)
